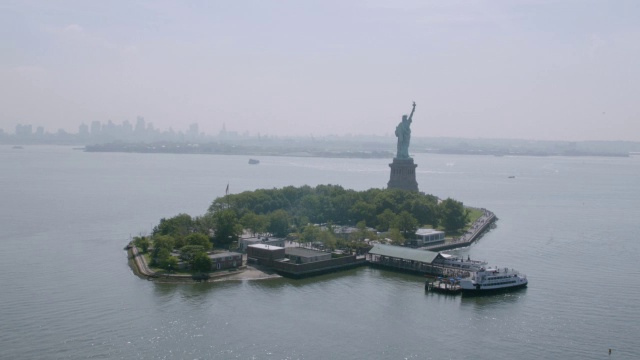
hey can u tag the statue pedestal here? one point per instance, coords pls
(403, 175)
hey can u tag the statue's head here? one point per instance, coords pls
(405, 117)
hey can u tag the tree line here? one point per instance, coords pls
(305, 214)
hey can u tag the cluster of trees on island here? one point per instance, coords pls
(304, 214)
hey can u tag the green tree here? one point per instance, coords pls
(310, 234)
(257, 224)
(228, 228)
(388, 199)
(341, 204)
(169, 263)
(201, 263)
(386, 219)
(361, 233)
(162, 246)
(164, 241)
(188, 253)
(279, 223)
(395, 236)
(299, 222)
(425, 210)
(328, 239)
(295, 236)
(453, 215)
(178, 226)
(142, 243)
(288, 210)
(198, 239)
(159, 256)
(204, 224)
(407, 224)
(363, 211)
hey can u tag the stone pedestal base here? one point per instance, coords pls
(403, 175)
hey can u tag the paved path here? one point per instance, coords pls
(474, 232)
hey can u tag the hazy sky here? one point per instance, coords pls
(530, 69)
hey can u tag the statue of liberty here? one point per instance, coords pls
(403, 132)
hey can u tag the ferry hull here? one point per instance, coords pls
(477, 292)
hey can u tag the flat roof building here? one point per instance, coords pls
(245, 242)
(428, 237)
(264, 254)
(225, 260)
(299, 255)
(415, 260)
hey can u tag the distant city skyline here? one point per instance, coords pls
(530, 69)
(137, 131)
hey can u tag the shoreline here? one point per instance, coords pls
(475, 232)
(248, 272)
(140, 268)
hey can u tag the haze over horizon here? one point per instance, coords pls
(531, 69)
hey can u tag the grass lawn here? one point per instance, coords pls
(474, 214)
(147, 258)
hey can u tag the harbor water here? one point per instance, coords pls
(569, 223)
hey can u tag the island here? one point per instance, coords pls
(311, 230)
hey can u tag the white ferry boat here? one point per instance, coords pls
(451, 261)
(486, 280)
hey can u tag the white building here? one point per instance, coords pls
(266, 240)
(425, 237)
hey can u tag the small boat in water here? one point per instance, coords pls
(487, 280)
(17, 147)
(254, 161)
(512, 177)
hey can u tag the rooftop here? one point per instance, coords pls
(265, 246)
(428, 231)
(298, 251)
(224, 254)
(404, 253)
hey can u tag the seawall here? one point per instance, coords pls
(140, 268)
(475, 232)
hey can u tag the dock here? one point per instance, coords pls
(415, 261)
(443, 286)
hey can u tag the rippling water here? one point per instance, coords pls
(570, 224)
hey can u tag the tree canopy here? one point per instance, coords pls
(227, 227)
(326, 203)
(292, 210)
(454, 215)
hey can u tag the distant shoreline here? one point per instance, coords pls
(363, 147)
(297, 151)
(218, 149)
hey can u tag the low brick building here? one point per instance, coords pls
(299, 255)
(225, 260)
(246, 241)
(264, 254)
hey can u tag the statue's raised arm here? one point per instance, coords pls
(412, 110)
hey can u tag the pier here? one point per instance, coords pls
(416, 261)
(445, 286)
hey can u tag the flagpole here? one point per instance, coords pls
(226, 195)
